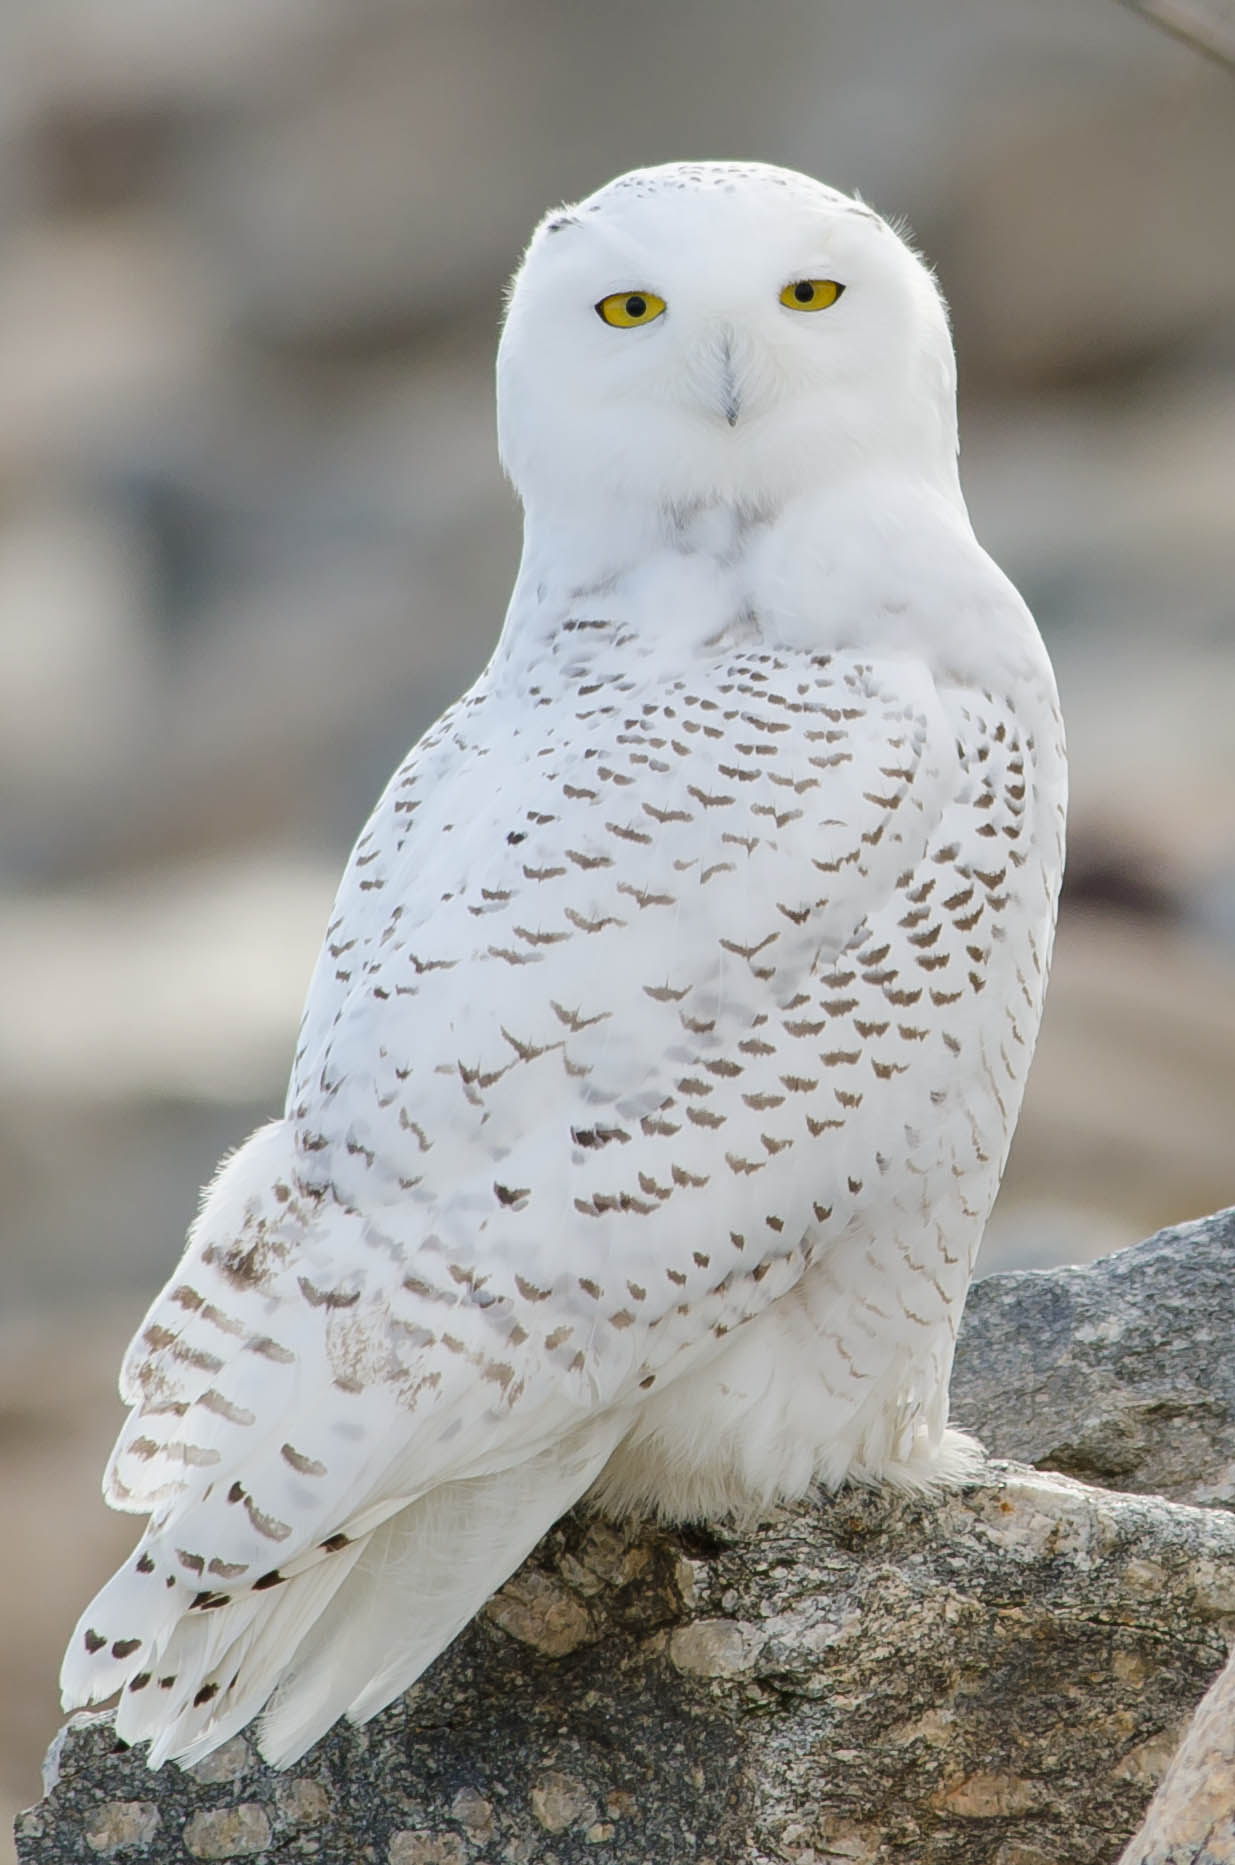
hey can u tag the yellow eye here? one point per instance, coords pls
(811, 294)
(624, 309)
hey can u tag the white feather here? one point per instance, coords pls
(668, 1035)
(423, 1575)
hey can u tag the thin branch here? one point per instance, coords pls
(1204, 29)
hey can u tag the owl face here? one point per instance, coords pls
(719, 332)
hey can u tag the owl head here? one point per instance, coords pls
(721, 332)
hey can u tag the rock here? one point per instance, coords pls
(227, 1832)
(1192, 1816)
(119, 1825)
(999, 1676)
(542, 1613)
(1119, 1373)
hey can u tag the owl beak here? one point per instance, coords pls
(730, 394)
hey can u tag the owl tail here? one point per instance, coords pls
(423, 1576)
(346, 1637)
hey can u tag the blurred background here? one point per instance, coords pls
(253, 536)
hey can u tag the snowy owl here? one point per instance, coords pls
(669, 1032)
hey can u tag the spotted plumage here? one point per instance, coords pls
(671, 1025)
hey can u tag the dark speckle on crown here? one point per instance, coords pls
(728, 178)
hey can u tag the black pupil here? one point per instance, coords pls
(804, 291)
(636, 306)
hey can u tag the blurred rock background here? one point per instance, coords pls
(253, 536)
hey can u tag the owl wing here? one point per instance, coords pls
(544, 1147)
